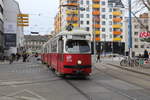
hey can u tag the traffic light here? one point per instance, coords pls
(22, 20)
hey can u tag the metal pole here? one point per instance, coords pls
(130, 31)
(60, 16)
(94, 40)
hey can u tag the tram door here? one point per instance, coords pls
(60, 55)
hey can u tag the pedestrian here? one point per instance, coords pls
(11, 58)
(146, 56)
(98, 58)
(24, 57)
(18, 56)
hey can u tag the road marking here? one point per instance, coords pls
(16, 95)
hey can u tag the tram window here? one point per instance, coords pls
(54, 46)
(60, 46)
(77, 46)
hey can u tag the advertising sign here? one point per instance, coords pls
(10, 40)
(10, 27)
(144, 35)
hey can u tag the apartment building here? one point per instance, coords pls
(102, 18)
(1, 27)
(139, 24)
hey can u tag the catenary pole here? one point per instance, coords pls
(130, 30)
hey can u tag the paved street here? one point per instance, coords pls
(34, 81)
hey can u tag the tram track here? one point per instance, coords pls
(131, 75)
(79, 90)
(139, 77)
(147, 90)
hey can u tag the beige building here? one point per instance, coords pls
(33, 43)
(140, 24)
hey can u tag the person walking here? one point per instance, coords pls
(146, 56)
(98, 58)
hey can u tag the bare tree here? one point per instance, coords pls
(146, 3)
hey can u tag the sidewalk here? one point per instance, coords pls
(144, 69)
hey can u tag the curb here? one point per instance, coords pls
(129, 69)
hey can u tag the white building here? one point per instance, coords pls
(1, 27)
(103, 18)
(138, 46)
(14, 36)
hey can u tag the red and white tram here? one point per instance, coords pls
(69, 53)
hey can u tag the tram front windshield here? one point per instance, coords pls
(77, 46)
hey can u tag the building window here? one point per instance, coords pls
(87, 2)
(136, 39)
(103, 29)
(103, 2)
(103, 10)
(135, 46)
(103, 16)
(87, 29)
(87, 15)
(81, 22)
(110, 35)
(110, 9)
(110, 22)
(103, 22)
(142, 46)
(110, 16)
(81, 15)
(81, 2)
(135, 33)
(87, 22)
(87, 9)
(110, 29)
(103, 36)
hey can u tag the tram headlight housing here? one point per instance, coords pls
(79, 62)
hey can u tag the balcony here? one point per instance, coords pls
(96, 25)
(97, 32)
(75, 24)
(96, 12)
(72, 4)
(117, 32)
(96, 0)
(117, 26)
(72, 11)
(117, 39)
(97, 39)
(96, 5)
(117, 13)
(72, 18)
(96, 19)
(117, 19)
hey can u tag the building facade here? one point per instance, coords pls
(14, 36)
(102, 18)
(139, 24)
(34, 43)
(1, 27)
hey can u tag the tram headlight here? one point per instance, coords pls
(79, 62)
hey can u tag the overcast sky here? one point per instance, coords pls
(41, 14)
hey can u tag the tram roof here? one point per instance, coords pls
(77, 32)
